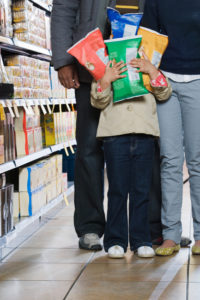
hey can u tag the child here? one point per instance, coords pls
(128, 129)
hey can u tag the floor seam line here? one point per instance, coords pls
(77, 278)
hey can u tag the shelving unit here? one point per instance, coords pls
(32, 102)
(19, 234)
(20, 47)
(28, 225)
(30, 158)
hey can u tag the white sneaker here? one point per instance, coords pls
(116, 252)
(145, 251)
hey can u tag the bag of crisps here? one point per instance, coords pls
(91, 53)
(154, 45)
(125, 49)
(123, 25)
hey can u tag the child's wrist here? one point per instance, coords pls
(154, 74)
(104, 83)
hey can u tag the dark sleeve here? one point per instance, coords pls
(63, 20)
(112, 3)
(141, 4)
(150, 17)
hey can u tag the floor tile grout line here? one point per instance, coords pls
(77, 278)
(43, 223)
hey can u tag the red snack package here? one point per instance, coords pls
(91, 53)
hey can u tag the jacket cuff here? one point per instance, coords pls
(68, 60)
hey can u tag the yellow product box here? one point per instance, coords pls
(154, 45)
(49, 129)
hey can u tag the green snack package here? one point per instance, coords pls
(125, 49)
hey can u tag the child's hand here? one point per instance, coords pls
(145, 66)
(113, 72)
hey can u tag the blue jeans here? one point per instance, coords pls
(129, 160)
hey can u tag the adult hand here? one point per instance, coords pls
(68, 77)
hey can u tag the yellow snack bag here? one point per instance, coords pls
(154, 45)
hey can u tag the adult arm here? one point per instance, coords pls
(63, 21)
(141, 5)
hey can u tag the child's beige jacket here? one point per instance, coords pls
(137, 115)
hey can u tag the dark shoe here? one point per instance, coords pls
(90, 241)
(185, 241)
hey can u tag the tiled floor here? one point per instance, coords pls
(49, 266)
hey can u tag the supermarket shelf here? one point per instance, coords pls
(58, 147)
(29, 158)
(42, 5)
(20, 47)
(32, 102)
(62, 101)
(37, 155)
(7, 167)
(30, 47)
(14, 238)
(6, 40)
(29, 220)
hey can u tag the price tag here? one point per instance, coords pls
(2, 113)
(15, 108)
(71, 148)
(23, 103)
(31, 112)
(53, 107)
(8, 104)
(65, 198)
(43, 108)
(72, 107)
(48, 106)
(66, 151)
(36, 109)
(67, 105)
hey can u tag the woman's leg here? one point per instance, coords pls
(190, 105)
(117, 157)
(142, 157)
(172, 157)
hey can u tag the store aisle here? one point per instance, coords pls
(49, 266)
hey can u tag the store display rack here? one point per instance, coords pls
(32, 102)
(20, 233)
(37, 155)
(47, 8)
(20, 47)
(29, 225)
